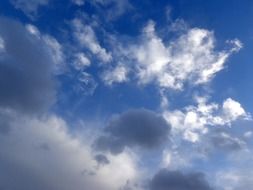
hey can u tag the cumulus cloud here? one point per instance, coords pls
(115, 75)
(141, 128)
(176, 180)
(194, 120)
(43, 154)
(30, 7)
(191, 58)
(27, 65)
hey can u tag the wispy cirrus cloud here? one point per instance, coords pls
(30, 8)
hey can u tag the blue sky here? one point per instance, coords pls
(126, 95)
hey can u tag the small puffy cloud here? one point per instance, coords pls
(81, 61)
(30, 7)
(142, 128)
(27, 65)
(86, 37)
(176, 180)
(233, 109)
(194, 120)
(115, 75)
(191, 58)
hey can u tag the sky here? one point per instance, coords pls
(126, 95)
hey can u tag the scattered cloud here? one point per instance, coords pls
(86, 84)
(191, 58)
(79, 2)
(81, 61)
(86, 37)
(30, 8)
(196, 119)
(112, 9)
(115, 75)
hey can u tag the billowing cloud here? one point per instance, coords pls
(27, 65)
(190, 58)
(43, 154)
(194, 120)
(30, 7)
(176, 180)
(141, 128)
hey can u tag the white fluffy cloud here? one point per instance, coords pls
(194, 120)
(115, 75)
(191, 58)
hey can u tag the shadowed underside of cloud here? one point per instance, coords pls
(175, 180)
(26, 66)
(141, 127)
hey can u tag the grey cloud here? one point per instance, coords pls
(101, 159)
(134, 128)
(176, 180)
(225, 141)
(26, 66)
(43, 155)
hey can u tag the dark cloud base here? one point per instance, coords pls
(141, 128)
(176, 180)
